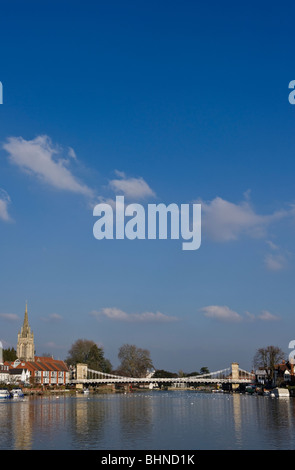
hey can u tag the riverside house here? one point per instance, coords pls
(41, 371)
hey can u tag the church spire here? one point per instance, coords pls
(25, 341)
(26, 327)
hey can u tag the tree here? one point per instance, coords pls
(87, 352)
(192, 374)
(267, 358)
(9, 354)
(135, 361)
(160, 373)
(97, 361)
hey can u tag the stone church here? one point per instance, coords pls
(25, 341)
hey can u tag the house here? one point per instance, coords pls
(41, 371)
(51, 371)
(4, 373)
(261, 376)
(284, 373)
(19, 375)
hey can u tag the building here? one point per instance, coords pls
(4, 373)
(284, 373)
(19, 375)
(261, 376)
(31, 369)
(25, 341)
(41, 371)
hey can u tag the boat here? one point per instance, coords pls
(86, 391)
(4, 394)
(250, 389)
(280, 393)
(17, 393)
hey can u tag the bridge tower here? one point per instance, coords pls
(235, 374)
(81, 373)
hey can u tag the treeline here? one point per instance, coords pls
(166, 374)
(9, 354)
(134, 361)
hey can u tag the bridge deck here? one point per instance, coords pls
(145, 380)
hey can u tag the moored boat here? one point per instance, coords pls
(4, 394)
(280, 392)
(17, 393)
(250, 389)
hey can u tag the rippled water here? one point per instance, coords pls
(156, 420)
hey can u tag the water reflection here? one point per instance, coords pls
(148, 420)
(237, 416)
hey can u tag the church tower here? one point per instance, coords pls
(25, 341)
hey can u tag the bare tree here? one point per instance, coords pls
(267, 358)
(134, 361)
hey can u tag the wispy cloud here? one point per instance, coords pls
(277, 259)
(52, 318)
(4, 203)
(52, 345)
(223, 220)
(40, 158)
(11, 317)
(136, 188)
(114, 313)
(223, 313)
(267, 316)
(275, 262)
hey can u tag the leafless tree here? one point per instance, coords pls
(134, 361)
(267, 358)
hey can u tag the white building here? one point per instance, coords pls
(4, 373)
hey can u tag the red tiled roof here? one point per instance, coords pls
(41, 363)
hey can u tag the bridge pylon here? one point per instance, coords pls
(235, 375)
(81, 373)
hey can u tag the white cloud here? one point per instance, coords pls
(53, 317)
(272, 245)
(275, 262)
(267, 316)
(116, 314)
(131, 187)
(72, 153)
(225, 314)
(4, 203)
(40, 158)
(52, 345)
(222, 313)
(224, 220)
(9, 316)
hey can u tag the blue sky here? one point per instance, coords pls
(172, 102)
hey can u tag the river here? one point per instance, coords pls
(153, 420)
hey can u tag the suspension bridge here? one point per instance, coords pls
(230, 375)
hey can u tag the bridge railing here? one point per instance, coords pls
(223, 375)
